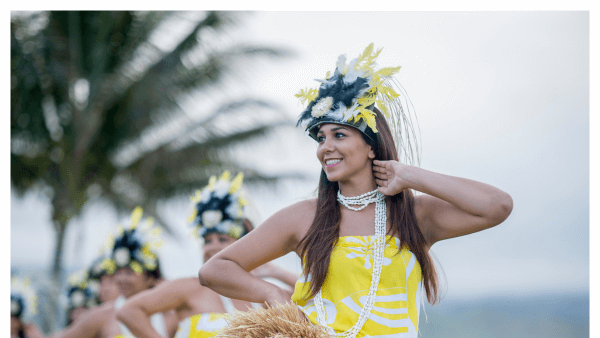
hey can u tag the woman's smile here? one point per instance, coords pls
(332, 162)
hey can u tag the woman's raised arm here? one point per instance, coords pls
(227, 272)
(452, 206)
(136, 311)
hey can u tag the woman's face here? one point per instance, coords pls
(215, 242)
(343, 152)
(130, 283)
(107, 288)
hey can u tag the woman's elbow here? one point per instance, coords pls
(502, 208)
(122, 314)
(205, 274)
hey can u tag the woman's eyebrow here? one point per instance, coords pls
(333, 129)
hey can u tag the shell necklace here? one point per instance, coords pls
(380, 222)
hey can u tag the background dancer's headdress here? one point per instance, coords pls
(349, 97)
(23, 299)
(134, 246)
(219, 207)
(80, 292)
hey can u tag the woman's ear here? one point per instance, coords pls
(371, 153)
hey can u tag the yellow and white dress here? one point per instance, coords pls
(396, 309)
(205, 325)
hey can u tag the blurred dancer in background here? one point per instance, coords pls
(135, 268)
(80, 296)
(219, 219)
(102, 283)
(23, 305)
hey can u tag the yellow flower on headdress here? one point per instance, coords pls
(136, 267)
(109, 265)
(236, 231)
(79, 279)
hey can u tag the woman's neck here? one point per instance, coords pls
(357, 186)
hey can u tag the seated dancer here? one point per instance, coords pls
(364, 241)
(219, 219)
(23, 305)
(80, 296)
(135, 268)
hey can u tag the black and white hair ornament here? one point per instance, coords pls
(134, 246)
(350, 96)
(219, 207)
(23, 299)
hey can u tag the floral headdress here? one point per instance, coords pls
(219, 207)
(81, 292)
(134, 246)
(349, 97)
(23, 299)
(99, 267)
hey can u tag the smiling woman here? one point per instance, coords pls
(365, 209)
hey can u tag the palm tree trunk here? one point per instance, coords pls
(53, 315)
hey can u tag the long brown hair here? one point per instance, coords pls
(317, 245)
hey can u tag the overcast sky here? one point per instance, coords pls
(501, 97)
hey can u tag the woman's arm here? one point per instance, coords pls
(90, 324)
(136, 311)
(453, 206)
(270, 270)
(227, 272)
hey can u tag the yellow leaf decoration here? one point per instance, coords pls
(211, 183)
(389, 71)
(242, 201)
(236, 184)
(308, 95)
(136, 216)
(366, 53)
(391, 93)
(225, 175)
(197, 197)
(381, 105)
(193, 215)
(136, 267)
(367, 100)
(369, 117)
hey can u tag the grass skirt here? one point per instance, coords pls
(283, 321)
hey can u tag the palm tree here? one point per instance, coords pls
(99, 110)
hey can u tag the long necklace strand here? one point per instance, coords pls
(380, 225)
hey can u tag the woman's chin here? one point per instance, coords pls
(333, 177)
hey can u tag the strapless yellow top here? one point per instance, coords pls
(395, 312)
(202, 325)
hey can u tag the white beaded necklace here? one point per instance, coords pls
(380, 227)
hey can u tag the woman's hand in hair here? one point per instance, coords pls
(391, 176)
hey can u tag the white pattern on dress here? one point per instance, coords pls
(365, 249)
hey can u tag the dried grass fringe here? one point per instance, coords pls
(283, 321)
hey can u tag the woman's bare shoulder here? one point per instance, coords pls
(299, 213)
(290, 224)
